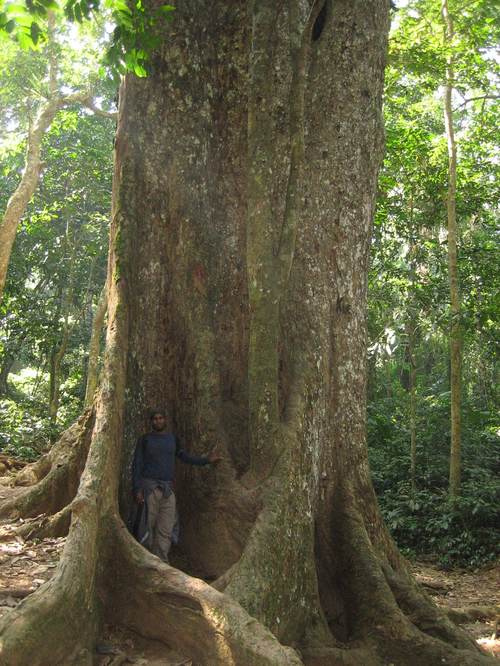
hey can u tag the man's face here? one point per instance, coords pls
(158, 422)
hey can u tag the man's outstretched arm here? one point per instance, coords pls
(211, 459)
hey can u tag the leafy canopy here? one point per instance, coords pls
(134, 29)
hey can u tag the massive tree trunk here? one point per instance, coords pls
(244, 188)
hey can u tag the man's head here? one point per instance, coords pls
(158, 420)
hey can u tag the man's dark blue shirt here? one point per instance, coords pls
(155, 456)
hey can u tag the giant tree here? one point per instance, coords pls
(245, 174)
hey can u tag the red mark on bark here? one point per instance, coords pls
(200, 278)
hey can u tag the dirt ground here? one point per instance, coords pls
(26, 565)
(465, 589)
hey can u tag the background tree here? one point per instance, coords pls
(45, 100)
(58, 263)
(413, 188)
(455, 327)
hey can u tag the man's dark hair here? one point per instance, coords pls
(154, 412)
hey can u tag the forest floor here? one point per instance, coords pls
(26, 565)
(466, 589)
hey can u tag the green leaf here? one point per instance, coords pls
(122, 6)
(139, 70)
(35, 32)
(25, 40)
(15, 10)
(49, 4)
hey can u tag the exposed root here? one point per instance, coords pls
(57, 475)
(338, 657)
(387, 612)
(413, 648)
(275, 579)
(9, 464)
(423, 613)
(57, 623)
(44, 527)
(472, 614)
(164, 604)
(33, 473)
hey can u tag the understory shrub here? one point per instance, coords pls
(425, 521)
(460, 533)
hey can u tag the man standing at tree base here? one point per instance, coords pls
(153, 475)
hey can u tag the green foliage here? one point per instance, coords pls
(463, 533)
(58, 264)
(408, 300)
(423, 521)
(22, 20)
(25, 430)
(137, 32)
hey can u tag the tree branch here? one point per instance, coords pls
(87, 100)
(473, 99)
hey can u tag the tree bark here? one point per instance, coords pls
(56, 357)
(19, 200)
(94, 347)
(409, 382)
(5, 368)
(239, 246)
(411, 338)
(59, 347)
(455, 325)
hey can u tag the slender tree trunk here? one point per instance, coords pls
(411, 331)
(5, 368)
(94, 347)
(412, 391)
(455, 324)
(59, 350)
(56, 358)
(19, 200)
